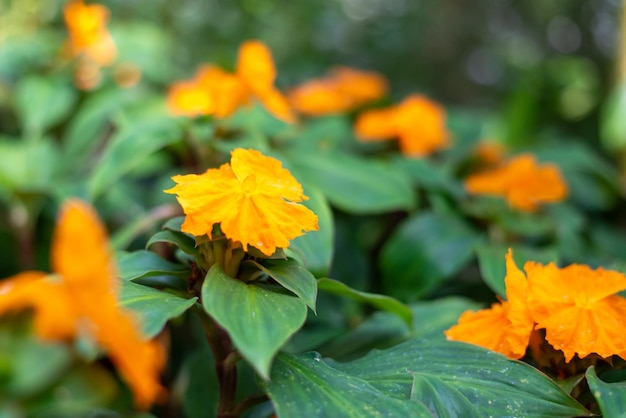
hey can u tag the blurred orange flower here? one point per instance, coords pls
(88, 33)
(214, 91)
(81, 298)
(506, 326)
(254, 199)
(490, 153)
(578, 308)
(522, 182)
(417, 122)
(342, 90)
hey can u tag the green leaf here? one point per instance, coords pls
(444, 400)
(613, 124)
(425, 250)
(353, 184)
(91, 119)
(180, 239)
(146, 267)
(155, 307)
(200, 391)
(129, 147)
(305, 386)
(291, 275)
(258, 320)
(492, 262)
(42, 102)
(28, 167)
(384, 329)
(495, 385)
(430, 176)
(383, 302)
(610, 396)
(316, 247)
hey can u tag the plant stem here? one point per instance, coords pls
(225, 365)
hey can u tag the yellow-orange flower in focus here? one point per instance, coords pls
(89, 36)
(214, 91)
(578, 308)
(253, 199)
(417, 122)
(505, 327)
(81, 298)
(342, 90)
(522, 182)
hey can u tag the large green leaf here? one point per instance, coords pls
(492, 262)
(305, 386)
(383, 302)
(425, 250)
(384, 329)
(258, 320)
(155, 307)
(354, 184)
(42, 102)
(610, 396)
(495, 385)
(316, 247)
(444, 400)
(291, 275)
(129, 148)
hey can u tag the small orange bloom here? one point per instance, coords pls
(254, 199)
(506, 326)
(217, 92)
(88, 33)
(342, 90)
(490, 153)
(82, 298)
(417, 122)
(578, 308)
(522, 182)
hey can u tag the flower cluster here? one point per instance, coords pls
(576, 305)
(342, 90)
(522, 182)
(213, 91)
(80, 299)
(418, 123)
(253, 199)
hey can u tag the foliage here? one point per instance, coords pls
(323, 236)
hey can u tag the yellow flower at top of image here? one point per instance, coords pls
(522, 182)
(88, 34)
(417, 122)
(342, 90)
(506, 326)
(213, 91)
(253, 199)
(577, 306)
(80, 298)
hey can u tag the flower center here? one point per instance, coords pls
(249, 184)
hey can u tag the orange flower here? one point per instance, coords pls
(81, 298)
(417, 122)
(489, 152)
(88, 33)
(254, 199)
(522, 182)
(578, 308)
(506, 326)
(342, 90)
(214, 91)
